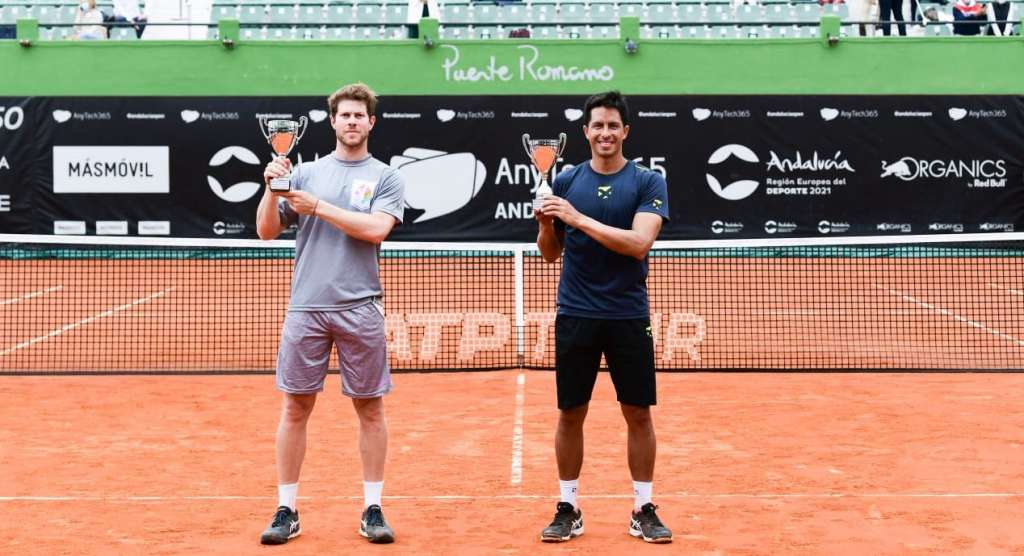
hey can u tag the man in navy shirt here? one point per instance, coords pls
(603, 217)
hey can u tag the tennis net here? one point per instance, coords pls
(163, 305)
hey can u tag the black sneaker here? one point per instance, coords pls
(373, 527)
(284, 527)
(566, 525)
(646, 525)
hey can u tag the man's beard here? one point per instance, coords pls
(344, 141)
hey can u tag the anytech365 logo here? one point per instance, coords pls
(572, 114)
(438, 182)
(739, 189)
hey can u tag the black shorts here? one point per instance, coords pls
(628, 348)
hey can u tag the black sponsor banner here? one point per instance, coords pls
(737, 166)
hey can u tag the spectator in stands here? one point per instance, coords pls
(967, 17)
(88, 22)
(932, 16)
(860, 10)
(127, 11)
(1000, 10)
(895, 9)
(914, 15)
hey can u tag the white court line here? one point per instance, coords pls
(517, 432)
(72, 326)
(1004, 288)
(28, 296)
(955, 316)
(461, 497)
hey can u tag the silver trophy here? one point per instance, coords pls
(544, 153)
(282, 135)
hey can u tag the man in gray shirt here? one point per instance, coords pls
(344, 205)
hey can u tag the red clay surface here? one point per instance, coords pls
(748, 464)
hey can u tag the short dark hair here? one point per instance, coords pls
(607, 99)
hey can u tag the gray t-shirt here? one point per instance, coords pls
(332, 270)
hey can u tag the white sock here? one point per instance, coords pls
(287, 495)
(569, 489)
(371, 493)
(642, 494)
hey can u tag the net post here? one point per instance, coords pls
(517, 254)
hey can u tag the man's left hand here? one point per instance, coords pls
(561, 209)
(301, 201)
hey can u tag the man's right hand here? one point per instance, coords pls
(278, 167)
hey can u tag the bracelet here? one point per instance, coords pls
(316, 204)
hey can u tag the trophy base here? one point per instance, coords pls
(281, 184)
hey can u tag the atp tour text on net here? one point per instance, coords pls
(492, 331)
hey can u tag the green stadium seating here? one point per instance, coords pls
(337, 15)
(465, 19)
(122, 34)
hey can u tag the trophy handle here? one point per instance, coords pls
(303, 124)
(262, 122)
(526, 145)
(562, 140)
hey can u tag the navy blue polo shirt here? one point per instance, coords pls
(597, 282)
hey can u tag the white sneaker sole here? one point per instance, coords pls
(290, 537)
(387, 540)
(640, 535)
(571, 536)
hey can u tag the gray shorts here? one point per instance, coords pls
(306, 341)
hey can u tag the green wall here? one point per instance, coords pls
(940, 65)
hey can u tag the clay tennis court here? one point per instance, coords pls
(749, 463)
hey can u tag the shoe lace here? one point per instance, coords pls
(281, 517)
(374, 518)
(652, 518)
(563, 515)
